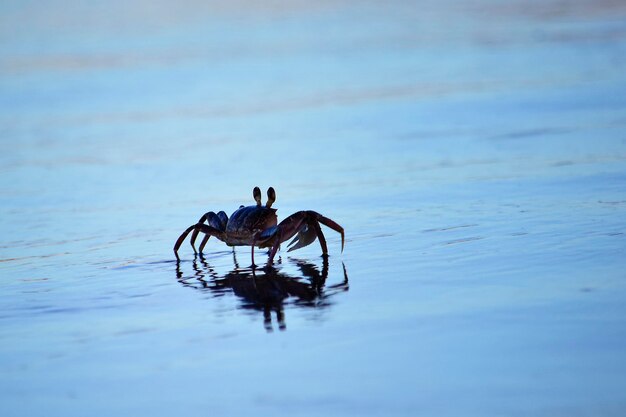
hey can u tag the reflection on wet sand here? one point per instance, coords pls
(267, 289)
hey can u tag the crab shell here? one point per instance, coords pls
(245, 225)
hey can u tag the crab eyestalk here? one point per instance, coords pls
(257, 195)
(271, 197)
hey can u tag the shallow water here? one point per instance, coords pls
(474, 152)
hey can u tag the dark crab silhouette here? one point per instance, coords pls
(257, 226)
(266, 289)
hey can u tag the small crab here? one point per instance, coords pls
(257, 226)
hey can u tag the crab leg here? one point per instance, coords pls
(331, 224)
(203, 243)
(252, 252)
(208, 230)
(307, 235)
(218, 221)
(295, 224)
(275, 247)
(320, 236)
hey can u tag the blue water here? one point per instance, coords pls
(474, 152)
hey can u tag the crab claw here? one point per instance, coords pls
(305, 237)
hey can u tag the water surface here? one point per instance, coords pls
(474, 152)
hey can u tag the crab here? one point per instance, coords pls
(257, 226)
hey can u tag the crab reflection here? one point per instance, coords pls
(267, 289)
